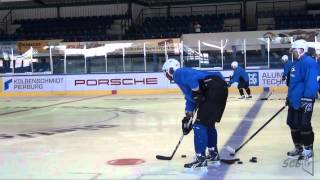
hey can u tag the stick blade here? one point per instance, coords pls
(229, 161)
(159, 157)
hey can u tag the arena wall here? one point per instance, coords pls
(128, 83)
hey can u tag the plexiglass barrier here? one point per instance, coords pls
(144, 56)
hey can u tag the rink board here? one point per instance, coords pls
(125, 83)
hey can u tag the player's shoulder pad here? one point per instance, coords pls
(310, 61)
(179, 70)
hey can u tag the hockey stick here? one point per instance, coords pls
(160, 157)
(233, 151)
(229, 161)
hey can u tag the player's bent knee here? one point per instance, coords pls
(293, 126)
(306, 129)
(295, 130)
(199, 128)
(306, 132)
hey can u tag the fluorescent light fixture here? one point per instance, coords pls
(215, 46)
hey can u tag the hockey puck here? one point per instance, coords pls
(231, 154)
(183, 156)
(240, 162)
(253, 160)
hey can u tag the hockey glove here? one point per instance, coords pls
(306, 104)
(187, 124)
(198, 97)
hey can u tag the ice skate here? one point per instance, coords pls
(295, 153)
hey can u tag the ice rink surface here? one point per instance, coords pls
(76, 137)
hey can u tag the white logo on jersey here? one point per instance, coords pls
(292, 71)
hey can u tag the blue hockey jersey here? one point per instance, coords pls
(303, 80)
(318, 65)
(238, 73)
(188, 79)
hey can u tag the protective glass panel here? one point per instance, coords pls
(278, 47)
(234, 51)
(96, 64)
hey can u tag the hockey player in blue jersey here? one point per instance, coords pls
(207, 92)
(317, 50)
(302, 89)
(241, 77)
(286, 69)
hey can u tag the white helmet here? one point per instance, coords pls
(284, 58)
(234, 64)
(300, 44)
(170, 66)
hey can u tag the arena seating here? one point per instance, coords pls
(174, 26)
(69, 28)
(297, 21)
(95, 28)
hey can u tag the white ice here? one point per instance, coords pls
(37, 142)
